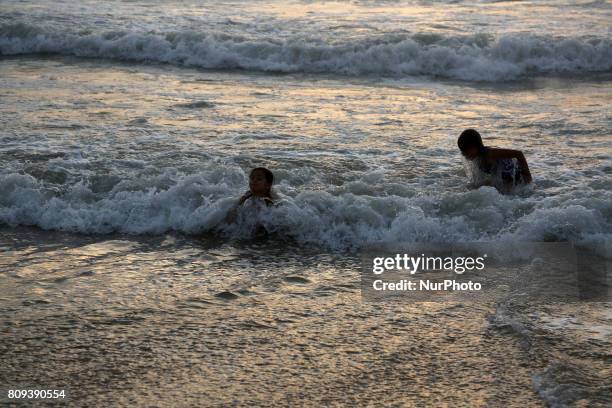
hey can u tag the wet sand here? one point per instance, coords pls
(153, 321)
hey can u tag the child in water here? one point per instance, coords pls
(260, 186)
(497, 164)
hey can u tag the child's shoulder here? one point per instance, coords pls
(496, 153)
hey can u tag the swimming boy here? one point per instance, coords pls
(495, 162)
(260, 185)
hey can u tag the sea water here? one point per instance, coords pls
(127, 133)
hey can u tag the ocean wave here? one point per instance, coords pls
(202, 203)
(477, 57)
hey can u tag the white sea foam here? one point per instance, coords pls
(200, 203)
(473, 57)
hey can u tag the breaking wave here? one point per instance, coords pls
(332, 218)
(477, 57)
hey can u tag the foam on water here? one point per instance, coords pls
(479, 57)
(200, 203)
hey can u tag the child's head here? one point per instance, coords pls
(470, 144)
(260, 182)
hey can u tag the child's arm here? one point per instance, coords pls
(495, 153)
(245, 197)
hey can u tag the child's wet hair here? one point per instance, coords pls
(470, 138)
(267, 174)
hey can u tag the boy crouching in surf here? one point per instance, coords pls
(502, 168)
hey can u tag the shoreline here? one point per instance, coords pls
(129, 322)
